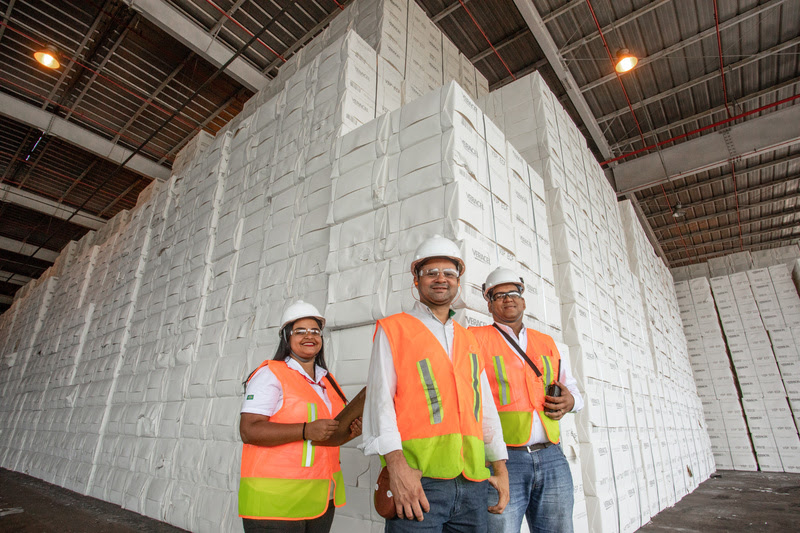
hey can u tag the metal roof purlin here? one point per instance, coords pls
(788, 213)
(168, 19)
(709, 151)
(687, 42)
(33, 116)
(761, 245)
(793, 227)
(718, 214)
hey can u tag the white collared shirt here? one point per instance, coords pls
(538, 434)
(380, 432)
(264, 395)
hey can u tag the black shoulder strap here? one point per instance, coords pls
(513, 343)
(336, 387)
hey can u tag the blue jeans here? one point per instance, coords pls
(457, 505)
(541, 489)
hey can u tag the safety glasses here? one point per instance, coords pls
(514, 295)
(313, 332)
(433, 273)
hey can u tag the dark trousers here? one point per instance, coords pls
(321, 524)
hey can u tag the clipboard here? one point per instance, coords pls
(351, 411)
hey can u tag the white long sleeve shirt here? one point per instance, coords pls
(538, 434)
(379, 431)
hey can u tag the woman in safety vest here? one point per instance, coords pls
(289, 482)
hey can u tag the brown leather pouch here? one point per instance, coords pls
(384, 501)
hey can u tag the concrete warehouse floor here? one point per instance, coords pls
(729, 501)
(31, 505)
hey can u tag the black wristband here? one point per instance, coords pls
(304, 431)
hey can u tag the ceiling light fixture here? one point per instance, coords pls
(679, 211)
(625, 60)
(47, 56)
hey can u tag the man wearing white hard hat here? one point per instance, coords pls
(533, 389)
(290, 480)
(429, 411)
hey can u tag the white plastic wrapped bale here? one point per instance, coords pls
(421, 179)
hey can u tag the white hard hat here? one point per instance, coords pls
(298, 310)
(437, 246)
(500, 276)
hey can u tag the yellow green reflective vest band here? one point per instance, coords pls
(516, 425)
(290, 499)
(551, 426)
(441, 457)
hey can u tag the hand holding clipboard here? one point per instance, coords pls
(354, 409)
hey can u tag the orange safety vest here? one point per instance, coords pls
(292, 481)
(438, 401)
(516, 389)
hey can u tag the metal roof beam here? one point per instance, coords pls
(740, 103)
(710, 151)
(741, 172)
(630, 17)
(181, 28)
(762, 245)
(704, 79)
(728, 196)
(712, 31)
(302, 40)
(569, 6)
(446, 11)
(24, 248)
(794, 228)
(14, 279)
(790, 213)
(742, 208)
(16, 196)
(74, 134)
(537, 26)
(499, 45)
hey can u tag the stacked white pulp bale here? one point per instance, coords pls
(712, 371)
(634, 373)
(760, 313)
(682, 437)
(413, 55)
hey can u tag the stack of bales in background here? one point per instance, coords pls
(634, 374)
(680, 444)
(715, 380)
(759, 312)
(413, 55)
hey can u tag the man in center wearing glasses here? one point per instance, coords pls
(533, 389)
(429, 411)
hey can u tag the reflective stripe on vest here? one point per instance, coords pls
(292, 481)
(449, 441)
(516, 389)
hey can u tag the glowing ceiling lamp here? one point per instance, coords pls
(47, 56)
(625, 60)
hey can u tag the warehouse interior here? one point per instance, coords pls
(185, 172)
